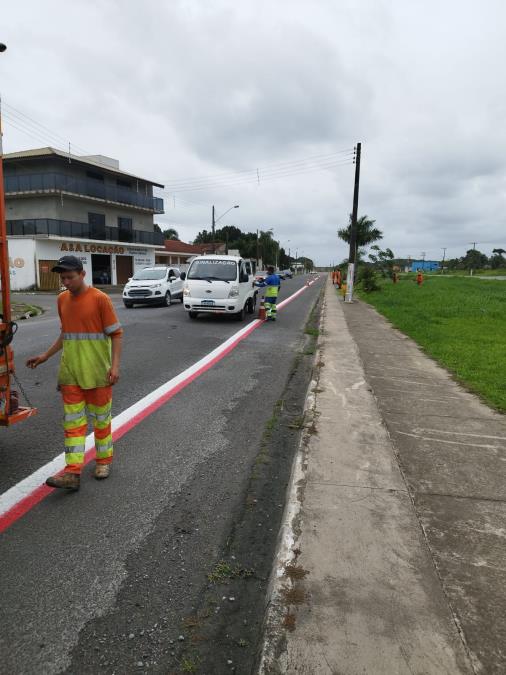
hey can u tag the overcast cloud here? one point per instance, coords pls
(177, 90)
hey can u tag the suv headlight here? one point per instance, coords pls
(186, 292)
(234, 292)
(156, 286)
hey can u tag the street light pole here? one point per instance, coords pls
(213, 230)
(215, 220)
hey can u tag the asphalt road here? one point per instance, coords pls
(102, 580)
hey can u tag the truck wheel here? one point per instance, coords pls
(128, 305)
(168, 299)
(250, 307)
(193, 315)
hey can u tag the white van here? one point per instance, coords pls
(219, 284)
(154, 285)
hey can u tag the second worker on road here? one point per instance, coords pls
(273, 284)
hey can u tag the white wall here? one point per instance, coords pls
(22, 264)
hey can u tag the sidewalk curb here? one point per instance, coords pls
(277, 616)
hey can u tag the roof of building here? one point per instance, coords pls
(82, 159)
(176, 246)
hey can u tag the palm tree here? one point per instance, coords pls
(366, 232)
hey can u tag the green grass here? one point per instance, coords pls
(20, 309)
(460, 322)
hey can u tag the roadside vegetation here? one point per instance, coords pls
(21, 310)
(461, 322)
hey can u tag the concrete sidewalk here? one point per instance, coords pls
(355, 588)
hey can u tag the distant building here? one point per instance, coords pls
(425, 265)
(58, 203)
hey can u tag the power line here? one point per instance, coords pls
(257, 172)
(266, 177)
(282, 169)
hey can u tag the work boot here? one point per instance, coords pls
(102, 471)
(69, 481)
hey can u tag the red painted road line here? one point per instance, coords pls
(25, 504)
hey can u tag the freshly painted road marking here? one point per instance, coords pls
(23, 496)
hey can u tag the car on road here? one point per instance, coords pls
(219, 284)
(285, 274)
(158, 285)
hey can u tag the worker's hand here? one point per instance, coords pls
(113, 375)
(35, 361)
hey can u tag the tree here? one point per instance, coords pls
(366, 232)
(171, 234)
(474, 259)
(383, 260)
(496, 260)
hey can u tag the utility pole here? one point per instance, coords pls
(258, 257)
(212, 229)
(443, 261)
(353, 230)
(474, 249)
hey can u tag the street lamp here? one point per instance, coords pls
(215, 220)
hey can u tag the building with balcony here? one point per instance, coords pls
(59, 203)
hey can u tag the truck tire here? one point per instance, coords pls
(193, 315)
(250, 305)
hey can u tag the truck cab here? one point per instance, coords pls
(219, 284)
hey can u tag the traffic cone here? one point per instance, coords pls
(261, 311)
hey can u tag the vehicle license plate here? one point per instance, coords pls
(208, 302)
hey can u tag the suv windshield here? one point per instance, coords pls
(213, 270)
(149, 275)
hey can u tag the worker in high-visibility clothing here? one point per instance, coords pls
(272, 283)
(91, 341)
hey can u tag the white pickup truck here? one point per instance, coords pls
(219, 284)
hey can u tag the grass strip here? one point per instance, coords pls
(460, 322)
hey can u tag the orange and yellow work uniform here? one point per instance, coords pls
(88, 321)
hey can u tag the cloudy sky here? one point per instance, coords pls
(200, 94)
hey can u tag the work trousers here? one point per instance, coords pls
(79, 406)
(270, 307)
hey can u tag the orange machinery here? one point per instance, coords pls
(10, 410)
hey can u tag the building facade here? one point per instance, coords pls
(425, 265)
(58, 203)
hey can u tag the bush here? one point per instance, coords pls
(367, 279)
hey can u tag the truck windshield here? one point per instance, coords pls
(213, 270)
(149, 275)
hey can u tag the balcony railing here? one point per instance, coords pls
(71, 229)
(48, 182)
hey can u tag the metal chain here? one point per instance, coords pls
(21, 389)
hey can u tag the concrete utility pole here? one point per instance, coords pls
(443, 261)
(353, 230)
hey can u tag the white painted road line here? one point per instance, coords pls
(23, 496)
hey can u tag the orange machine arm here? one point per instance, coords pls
(10, 411)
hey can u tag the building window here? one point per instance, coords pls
(125, 229)
(124, 183)
(96, 221)
(95, 175)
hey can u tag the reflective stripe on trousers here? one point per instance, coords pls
(78, 405)
(270, 307)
